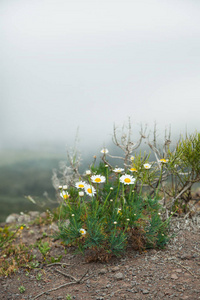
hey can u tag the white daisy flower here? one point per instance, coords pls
(147, 166)
(163, 160)
(81, 194)
(64, 187)
(127, 179)
(88, 172)
(119, 211)
(83, 231)
(115, 222)
(132, 158)
(104, 151)
(98, 178)
(80, 185)
(118, 170)
(90, 190)
(64, 195)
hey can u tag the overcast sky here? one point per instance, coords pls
(66, 64)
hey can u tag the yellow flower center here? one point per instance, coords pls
(163, 160)
(65, 196)
(81, 186)
(127, 180)
(133, 169)
(89, 191)
(97, 179)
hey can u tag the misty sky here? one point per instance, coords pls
(66, 64)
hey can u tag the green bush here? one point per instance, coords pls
(107, 214)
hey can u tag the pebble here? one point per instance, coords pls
(115, 269)
(179, 270)
(145, 292)
(174, 276)
(119, 276)
(103, 271)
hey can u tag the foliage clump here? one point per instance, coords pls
(109, 213)
(110, 209)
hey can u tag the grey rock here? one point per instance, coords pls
(54, 227)
(33, 214)
(24, 218)
(119, 276)
(12, 218)
(44, 215)
(115, 269)
(145, 292)
(102, 271)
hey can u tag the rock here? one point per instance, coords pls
(145, 292)
(54, 227)
(179, 270)
(44, 215)
(102, 271)
(33, 214)
(174, 276)
(12, 218)
(24, 218)
(66, 223)
(119, 276)
(115, 269)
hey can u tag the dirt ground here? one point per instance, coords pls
(173, 273)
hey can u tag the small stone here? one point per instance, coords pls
(119, 276)
(44, 215)
(179, 270)
(145, 292)
(54, 227)
(102, 271)
(115, 269)
(24, 219)
(33, 214)
(174, 276)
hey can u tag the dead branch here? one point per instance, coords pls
(63, 285)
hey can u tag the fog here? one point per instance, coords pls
(89, 64)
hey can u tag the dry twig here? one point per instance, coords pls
(62, 285)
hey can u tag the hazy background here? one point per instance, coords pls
(66, 64)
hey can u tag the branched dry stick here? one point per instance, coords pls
(58, 263)
(181, 192)
(66, 275)
(185, 268)
(62, 285)
(126, 144)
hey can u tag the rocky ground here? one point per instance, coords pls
(173, 273)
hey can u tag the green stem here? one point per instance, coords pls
(160, 178)
(118, 187)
